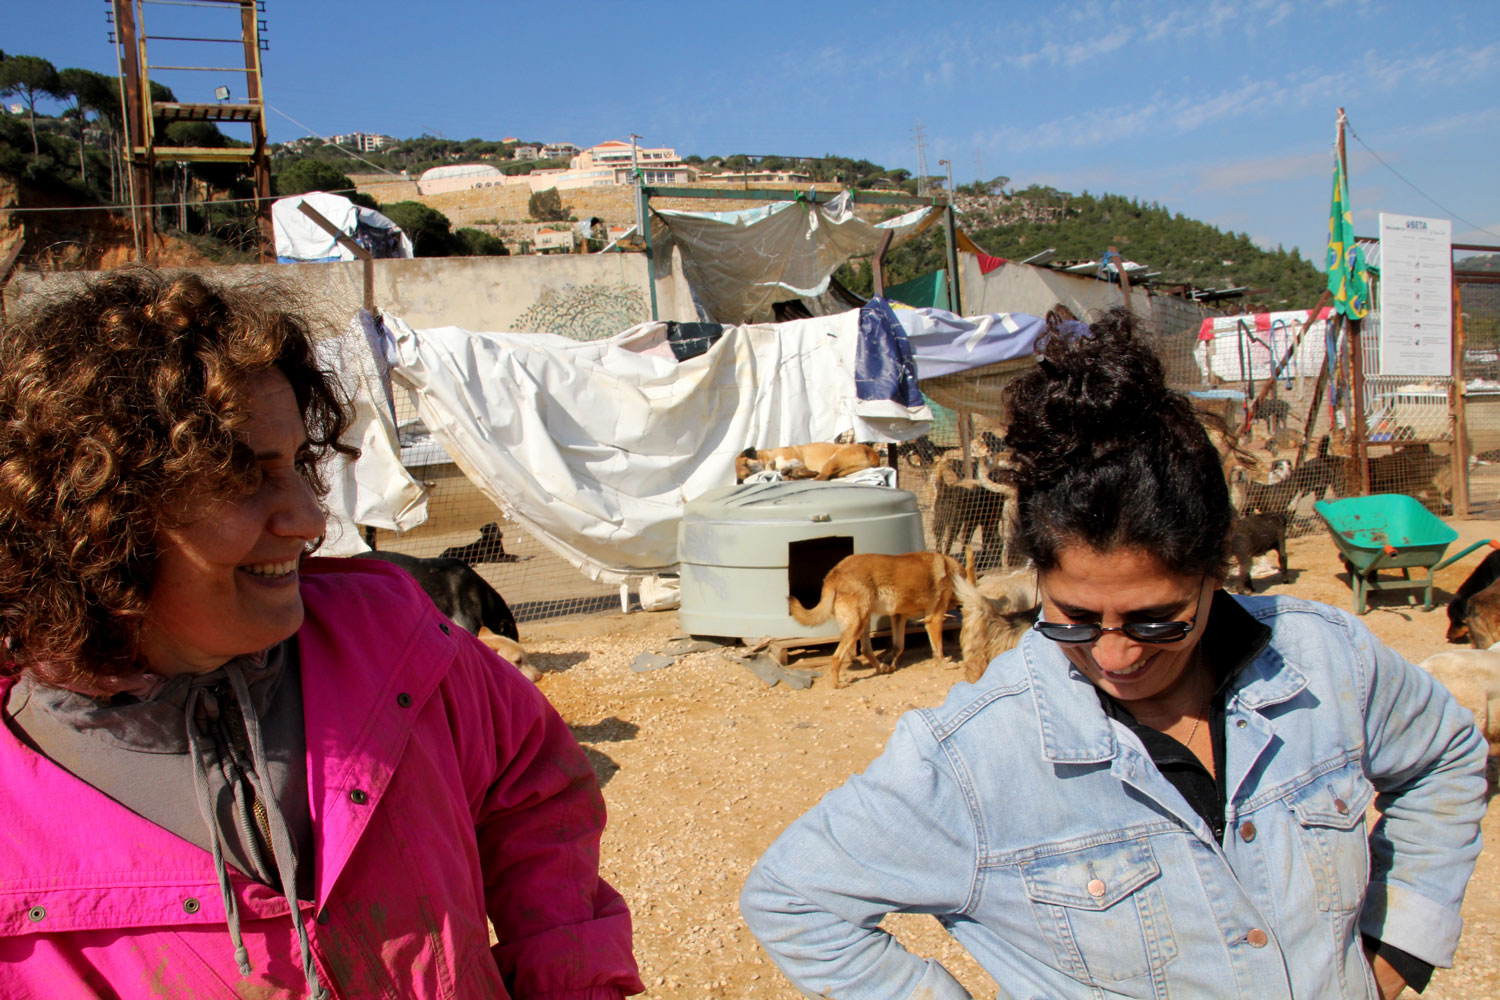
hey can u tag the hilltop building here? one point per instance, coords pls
(364, 142)
(608, 163)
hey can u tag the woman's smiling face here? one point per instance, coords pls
(227, 583)
(1120, 586)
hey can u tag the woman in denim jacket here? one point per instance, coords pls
(1162, 791)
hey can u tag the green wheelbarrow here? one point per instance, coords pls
(1389, 531)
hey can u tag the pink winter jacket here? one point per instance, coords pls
(443, 787)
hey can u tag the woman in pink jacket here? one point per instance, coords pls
(228, 769)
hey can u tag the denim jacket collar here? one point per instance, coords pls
(1073, 726)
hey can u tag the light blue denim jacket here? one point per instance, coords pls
(1040, 833)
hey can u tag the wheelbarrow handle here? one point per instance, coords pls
(1492, 543)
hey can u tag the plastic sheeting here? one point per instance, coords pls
(929, 291)
(300, 239)
(739, 263)
(376, 490)
(595, 446)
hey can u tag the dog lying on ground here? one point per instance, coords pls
(994, 621)
(1254, 534)
(862, 586)
(819, 460)
(512, 651)
(1486, 573)
(490, 547)
(459, 592)
(1472, 676)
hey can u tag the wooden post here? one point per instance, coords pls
(1460, 453)
(1357, 386)
(877, 264)
(950, 232)
(1328, 362)
(1286, 359)
(348, 244)
(1124, 278)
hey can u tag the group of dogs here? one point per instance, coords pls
(975, 495)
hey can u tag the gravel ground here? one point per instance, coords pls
(702, 766)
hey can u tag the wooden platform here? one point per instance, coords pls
(781, 650)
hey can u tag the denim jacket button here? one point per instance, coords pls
(1341, 806)
(1247, 831)
(1257, 938)
(1096, 887)
(1240, 723)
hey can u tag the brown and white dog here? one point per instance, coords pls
(819, 460)
(862, 586)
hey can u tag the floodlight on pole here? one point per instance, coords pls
(949, 165)
(222, 93)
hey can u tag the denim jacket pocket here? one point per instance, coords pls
(1102, 911)
(1330, 812)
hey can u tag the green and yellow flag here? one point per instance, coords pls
(1347, 278)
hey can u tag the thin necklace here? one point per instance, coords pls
(1199, 721)
(1203, 710)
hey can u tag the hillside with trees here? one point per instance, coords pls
(77, 157)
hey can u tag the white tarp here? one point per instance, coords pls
(738, 263)
(376, 490)
(595, 446)
(300, 239)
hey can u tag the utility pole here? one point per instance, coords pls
(635, 174)
(949, 165)
(1356, 352)
(921, 136)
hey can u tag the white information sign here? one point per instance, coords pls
(1416, 296)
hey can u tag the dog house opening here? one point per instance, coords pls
(808, 562)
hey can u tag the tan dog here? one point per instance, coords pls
(512, 651)
(1472, 676)
(997, 612)
(862, 586)
(819, 460)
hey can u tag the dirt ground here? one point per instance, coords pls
(703, 765)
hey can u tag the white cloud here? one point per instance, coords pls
(1230, 176)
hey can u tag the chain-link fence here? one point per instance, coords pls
(1479, 315)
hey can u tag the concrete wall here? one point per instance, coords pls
(585, 296)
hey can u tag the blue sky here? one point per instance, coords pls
(1222, 111)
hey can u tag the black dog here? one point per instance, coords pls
(489, 548)
(1254, 534)
(459, 592)
(1484, 574)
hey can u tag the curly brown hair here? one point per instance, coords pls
(117, 404)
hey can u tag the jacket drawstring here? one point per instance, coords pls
(281, 840)
(281, 837)
(205, 805)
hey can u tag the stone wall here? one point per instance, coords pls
(581, 296)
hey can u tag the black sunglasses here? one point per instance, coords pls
(1139, 631)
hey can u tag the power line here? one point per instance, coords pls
(330, 142)
(1409, 184)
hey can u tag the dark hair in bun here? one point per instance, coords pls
(1107, 456)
